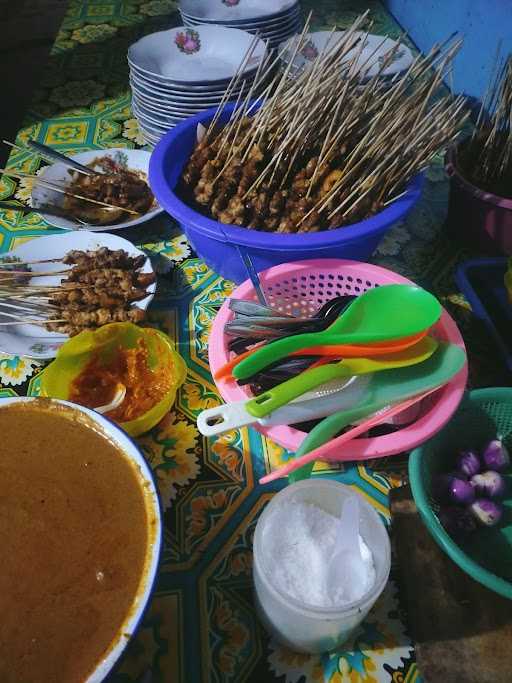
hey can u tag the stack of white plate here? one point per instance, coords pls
(273, 20)
(375, 50)
(177, 73)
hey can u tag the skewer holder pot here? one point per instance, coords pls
(217, 243)
(479, 219)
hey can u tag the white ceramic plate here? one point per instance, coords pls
(186, 88)
(158, 102)
(151, 140)
(160, 125)
(165, 112)
(200, 55)
(136, 159)
(266, 33)
(290, 29)
(374, 51)
(154, 127)
(234, 10)
(160, 96)
(247, 25)
(32, 340)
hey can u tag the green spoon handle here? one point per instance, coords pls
(284, 393)
(323, 432)
(270, 353)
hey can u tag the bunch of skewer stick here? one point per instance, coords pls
(328, 147)
(486, 158)
(100, 287)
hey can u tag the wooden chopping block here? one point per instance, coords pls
(462, 630)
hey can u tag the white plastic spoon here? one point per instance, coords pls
(346, 568)
(116, 401)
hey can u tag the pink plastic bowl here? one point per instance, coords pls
(303, 287)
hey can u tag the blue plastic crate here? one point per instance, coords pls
(481, 281)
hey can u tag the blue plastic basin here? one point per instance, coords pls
(216, 243)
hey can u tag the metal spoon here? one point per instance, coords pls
(52, 154)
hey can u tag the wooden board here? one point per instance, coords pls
(462, 630)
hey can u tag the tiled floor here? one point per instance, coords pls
(27, 33)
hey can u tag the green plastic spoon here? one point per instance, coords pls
(381, 313)
(309, 379)
(385, 388)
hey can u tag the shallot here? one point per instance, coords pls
(490, 484)
(468, 463)
(495, 456)
(486, 512)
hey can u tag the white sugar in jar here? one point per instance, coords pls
(293, 541)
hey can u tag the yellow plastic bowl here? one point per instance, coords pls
(74, 355)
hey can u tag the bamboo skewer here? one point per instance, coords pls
(28, 263)
(7, 275)
(57, 188)
(333, 141)
(28, 321)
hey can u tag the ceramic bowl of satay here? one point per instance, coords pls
(81, 541)
(130, 374)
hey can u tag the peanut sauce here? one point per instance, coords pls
(74, 538)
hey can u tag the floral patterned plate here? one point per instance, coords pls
(282, 30)
(145, 86)
(33, 340)
(262, 23)
(235, 10)
(375, 50)
(133, 159)
(204, 54)
(153, 125)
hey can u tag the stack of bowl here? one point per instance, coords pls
(177, 73)
(273, 20)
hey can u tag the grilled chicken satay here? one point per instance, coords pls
(104, 258)
(87, 299)
(77, 322)
(203, 152)
(102, 316)
(98, 276)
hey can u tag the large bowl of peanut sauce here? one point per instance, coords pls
(80, 525)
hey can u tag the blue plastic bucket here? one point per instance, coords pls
(216, 243)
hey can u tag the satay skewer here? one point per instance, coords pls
(57, 188)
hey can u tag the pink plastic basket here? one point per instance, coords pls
(303, 287)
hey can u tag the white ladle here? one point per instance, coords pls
(116, 401)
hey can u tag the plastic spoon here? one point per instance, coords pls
(311, 406)
(340, 350)
(346, 566)
(286, 391)
(116, 401)
(380, 314)
(362, 427)
(385, 388)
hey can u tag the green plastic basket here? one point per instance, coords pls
(482, 415)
